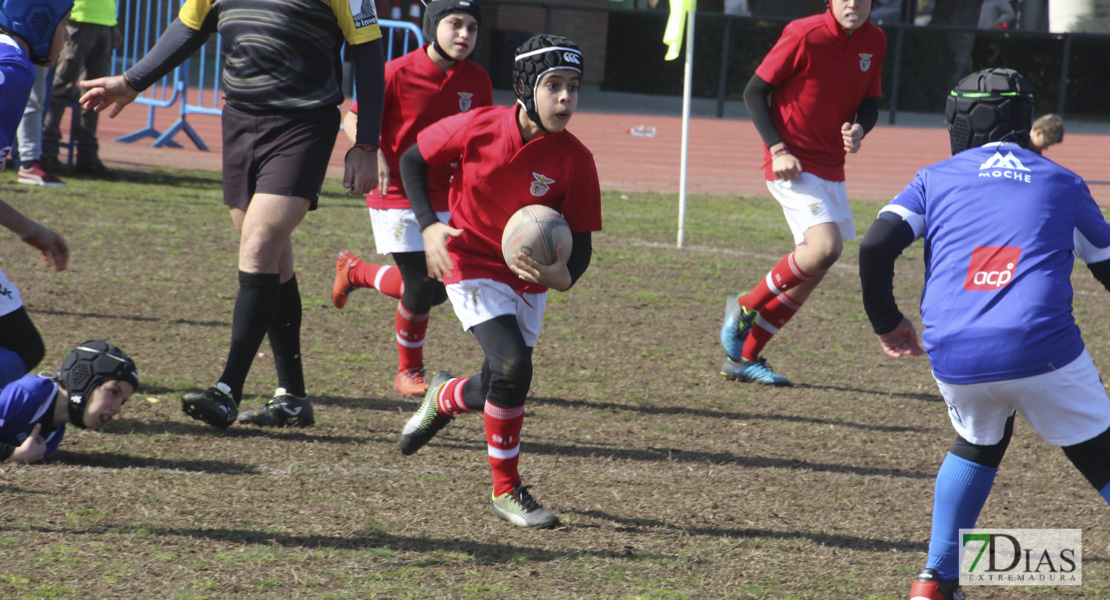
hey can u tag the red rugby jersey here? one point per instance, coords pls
(498, 174)
(417, 94)
(820, 76)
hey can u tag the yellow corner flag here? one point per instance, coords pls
(676, 25)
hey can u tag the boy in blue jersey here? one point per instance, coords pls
(1001, 226)
(24, 42)
(96, 380)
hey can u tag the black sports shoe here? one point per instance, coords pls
(285, 410)
(214, 406)
(427, 421)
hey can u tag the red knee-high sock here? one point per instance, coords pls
(785, 276)
(449, 400)
(411, 328)
(503, 427)
(771, 319)
(384, 278)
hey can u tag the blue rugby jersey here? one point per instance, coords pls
(23, 403)
(17, 75)
(1000, 225)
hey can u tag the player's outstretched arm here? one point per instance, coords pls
(879, 248)
(49, 243)
(105, 92)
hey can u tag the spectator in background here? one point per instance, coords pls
(93, 34)
(1048, 130)
(29, 135)
(995, 14)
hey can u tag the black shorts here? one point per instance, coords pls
(283, 153)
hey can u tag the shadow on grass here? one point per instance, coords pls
(676, 455)
(482, 553)
(905, 395)
(851, 542)
(714, 414)
(67, 313)
(104, 460)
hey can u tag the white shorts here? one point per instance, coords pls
(479, 300)
(10, 300)
(396, 229)
(810, 200)
(1066, 406)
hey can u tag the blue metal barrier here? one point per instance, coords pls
(399, 37)
(142, 30)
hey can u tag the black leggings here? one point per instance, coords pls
(421, 292)
(507, 369)
(1091, 457)
(18, 334)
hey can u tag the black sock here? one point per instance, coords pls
(285, 339)
(255, 307)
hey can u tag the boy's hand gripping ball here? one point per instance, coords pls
(535, 230)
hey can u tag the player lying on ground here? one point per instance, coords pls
(1000, 224)
(96, 380)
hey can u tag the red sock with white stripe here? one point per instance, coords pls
(503, 427)
(774, 315)
(449, 399)
(384, 278)
(411, 328)
(785, 276)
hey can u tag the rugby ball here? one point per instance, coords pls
(535, 230)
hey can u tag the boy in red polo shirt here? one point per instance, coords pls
(824, 72)
(421, 87)
(510, 157)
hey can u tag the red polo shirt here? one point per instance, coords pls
(820, 76)
(417, 94)
(498, 174)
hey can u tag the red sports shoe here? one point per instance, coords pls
(33, 173)
(929, 586)
(344, 262)
(411, 382)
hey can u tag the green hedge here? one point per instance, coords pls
(634, 62)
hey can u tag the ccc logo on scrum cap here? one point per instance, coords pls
(572, 57)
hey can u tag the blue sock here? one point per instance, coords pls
(11, 367)
(1105, 492)
(961, 491)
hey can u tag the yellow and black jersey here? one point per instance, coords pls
(283, 54)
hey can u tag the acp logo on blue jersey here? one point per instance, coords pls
(991, 267)
(1005, 167)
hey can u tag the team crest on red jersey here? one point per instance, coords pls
(865, 61)
(465, 100)
(541, 184)
(991, 267)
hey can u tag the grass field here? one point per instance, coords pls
(670, 482)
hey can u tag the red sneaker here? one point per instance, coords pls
(344, 262)
(929, 586)
(411, 382)
(33, 173)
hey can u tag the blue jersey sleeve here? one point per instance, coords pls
(910, 204)
(23, 403)
(17, 75)
(1092, 232)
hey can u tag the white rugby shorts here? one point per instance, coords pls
(396, 229)
(10, 300)
(810, 200)
(1065, 407)
(479, 300)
